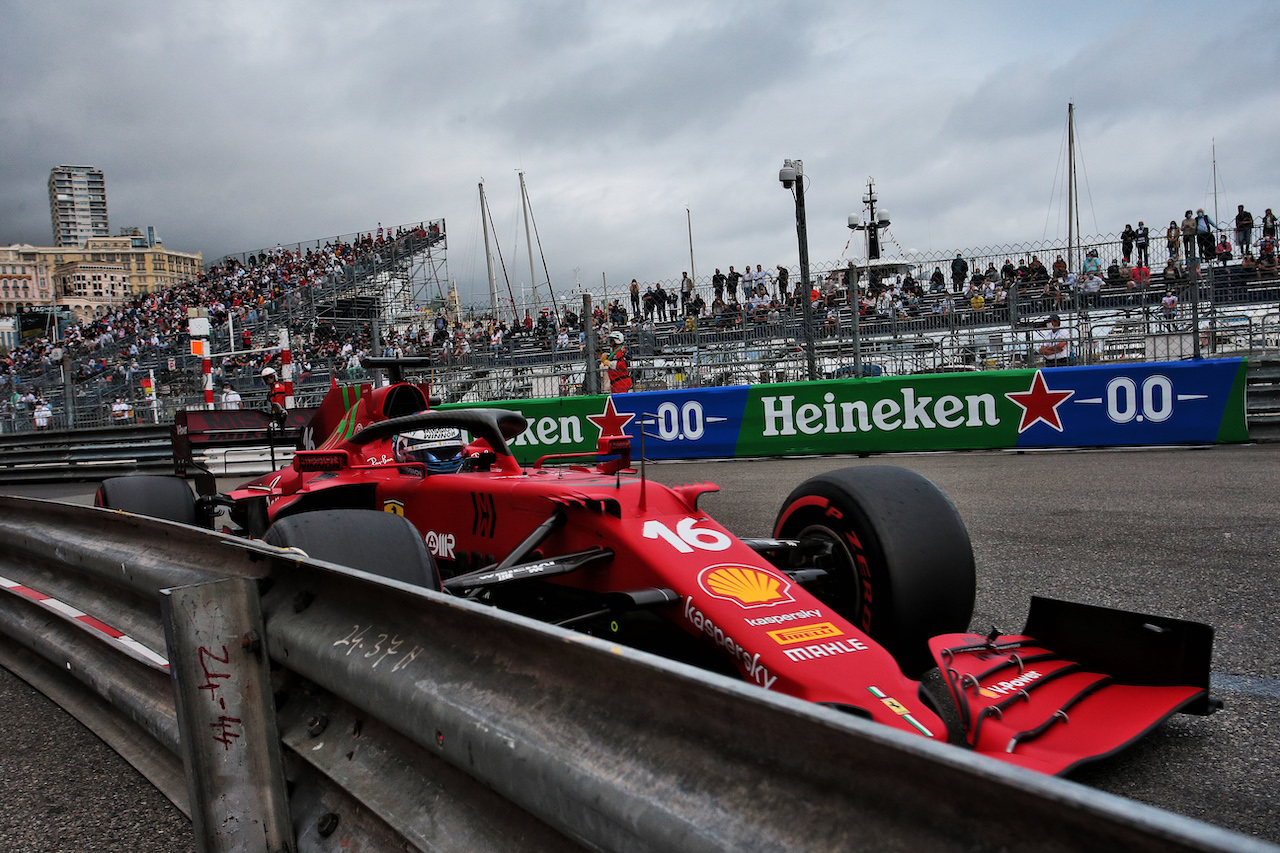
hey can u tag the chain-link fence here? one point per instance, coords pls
(1107, 247)
(1226, 310)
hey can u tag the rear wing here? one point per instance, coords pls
(205, 429)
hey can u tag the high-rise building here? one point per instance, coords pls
(77, 205)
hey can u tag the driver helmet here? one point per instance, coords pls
(439, 448)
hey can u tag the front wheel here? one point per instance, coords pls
(380, 543)
(901, 567)
(165, 498)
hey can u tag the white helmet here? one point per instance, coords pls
(268, 371)
(615, 337)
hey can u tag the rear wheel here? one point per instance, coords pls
(901, 567)
(166, 498)
(346, 537)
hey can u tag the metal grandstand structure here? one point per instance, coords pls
(393, 284)
(393, 287)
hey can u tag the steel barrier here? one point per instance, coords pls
(410, 719)
(95, 454)
(88, 454)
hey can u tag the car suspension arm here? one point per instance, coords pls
(549, 567)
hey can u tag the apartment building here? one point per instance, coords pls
(77, 205)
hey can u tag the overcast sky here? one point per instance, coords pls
(236, 125)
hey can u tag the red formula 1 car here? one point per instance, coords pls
(865, 586)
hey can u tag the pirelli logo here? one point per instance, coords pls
(805, 633)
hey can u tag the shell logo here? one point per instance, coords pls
(745, 586)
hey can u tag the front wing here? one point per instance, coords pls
(1088, 683)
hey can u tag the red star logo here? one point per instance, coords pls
(1039, 404)
(610, 422)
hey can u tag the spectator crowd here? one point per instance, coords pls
(248, 293)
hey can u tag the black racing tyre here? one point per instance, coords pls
(348, 536)
(166, 498)
(902, 565)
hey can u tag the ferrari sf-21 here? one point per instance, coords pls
(860, 599)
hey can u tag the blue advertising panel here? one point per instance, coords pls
(689, 424)
(1132, 404)
(1183, 402)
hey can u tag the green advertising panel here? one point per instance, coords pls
(1132, 404)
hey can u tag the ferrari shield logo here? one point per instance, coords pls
(393, 507)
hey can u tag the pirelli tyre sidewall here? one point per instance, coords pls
(165, 498)
(380, 543)
(902, 565)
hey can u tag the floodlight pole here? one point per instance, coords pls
(793, 171)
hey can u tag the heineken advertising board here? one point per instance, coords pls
(1132, 404)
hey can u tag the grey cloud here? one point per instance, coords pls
(234, 125)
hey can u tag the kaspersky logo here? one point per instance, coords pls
(750, 662)
(745, 586)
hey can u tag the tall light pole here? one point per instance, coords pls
(872, 227)
(791, 175)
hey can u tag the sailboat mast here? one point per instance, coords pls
(488, 255)
(693, 270)
(1071, 186)
(1215, 180)
(528, 233)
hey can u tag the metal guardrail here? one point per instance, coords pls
(111, 452)
(409, 719)
(87, 454)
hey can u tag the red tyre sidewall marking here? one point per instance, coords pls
(827, 508)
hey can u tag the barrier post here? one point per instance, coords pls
(591, 378)
(226, 717)
(286, 368)
(198, 329)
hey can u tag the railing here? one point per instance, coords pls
(404, 718)
(669, 358)
(341, 239)
(1108, 247)
(941, 333)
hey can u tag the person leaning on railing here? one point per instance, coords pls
(1267, 264)
(1055, 347)
(1188, 229)
(1171, 239)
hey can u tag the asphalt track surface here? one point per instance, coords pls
(1188, 533)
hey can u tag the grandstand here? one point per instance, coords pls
(328, 293)
(346, 297)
